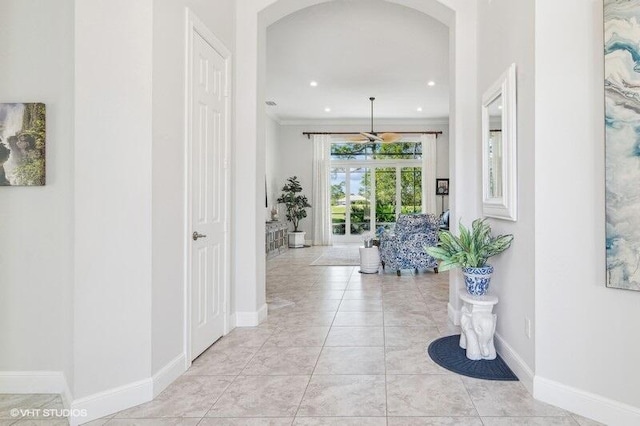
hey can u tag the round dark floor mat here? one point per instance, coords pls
(447, 353)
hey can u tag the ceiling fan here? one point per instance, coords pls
(368, 137)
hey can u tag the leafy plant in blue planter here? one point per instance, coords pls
(470, 252)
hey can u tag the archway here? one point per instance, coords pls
(252, 19)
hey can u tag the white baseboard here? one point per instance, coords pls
(231, 323)
(515, 362)
(67, 396)
(251, 319)
(111, 401)
(117, 399)
(167, 374)
(21, 382)
(453, 313)
(262, 313)
(586, 404)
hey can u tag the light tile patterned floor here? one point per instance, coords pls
(338, 348)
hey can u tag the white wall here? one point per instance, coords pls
(295, 152)
(113, 162)
(586, 335)
(273, 164)
(252, 17)
(36, 223)
(506, 36)
(169, 50)
(76, 256)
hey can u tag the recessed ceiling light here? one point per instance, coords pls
(327, 109)
(431, 83)
(499, 106)
(313, 84)
(419, 109)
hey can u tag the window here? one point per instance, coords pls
(387, 176)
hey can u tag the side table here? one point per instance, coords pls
(369, 260)
(478, 324)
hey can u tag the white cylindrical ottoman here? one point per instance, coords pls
(369, 260)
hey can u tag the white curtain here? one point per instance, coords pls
(429, 154)
(321, 190)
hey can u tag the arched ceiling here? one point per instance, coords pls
(355, 49)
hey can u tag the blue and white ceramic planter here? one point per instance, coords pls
(477, 279)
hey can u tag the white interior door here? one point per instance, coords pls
(209, 198)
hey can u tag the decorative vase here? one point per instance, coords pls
(477, 279)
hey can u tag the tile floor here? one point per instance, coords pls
(338, 348)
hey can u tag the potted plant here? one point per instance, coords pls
(296, 205)
(470, 252)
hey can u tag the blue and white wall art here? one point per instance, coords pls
(622, 123)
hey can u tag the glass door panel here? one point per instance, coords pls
(411, 192)
(351, 191)
(359, 200)
(338, 201)
(386, 199)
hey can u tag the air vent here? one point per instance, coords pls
(270, 103)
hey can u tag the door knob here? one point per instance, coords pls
(196, 236)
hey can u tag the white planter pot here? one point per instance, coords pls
(296, 239)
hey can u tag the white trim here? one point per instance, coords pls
(67, 396)
(193, 25)
(504, 206)
(362, 122)
(515, 362)
(272, 115)
(26, 382)
(167, 374)
(586, 404)
(251, 319)
(231, 322)
(454, 314)
(111, 401)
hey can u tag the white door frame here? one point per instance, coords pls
(195, 25)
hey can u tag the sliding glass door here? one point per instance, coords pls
(371, 184)
(350, 202)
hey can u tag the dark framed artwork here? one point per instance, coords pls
(22, 144)
(442, 186)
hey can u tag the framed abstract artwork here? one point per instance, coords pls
(22, 144)
(622, 142)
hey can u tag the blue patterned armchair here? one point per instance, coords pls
(404, 248)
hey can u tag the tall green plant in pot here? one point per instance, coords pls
(295, 205)
(470, 252)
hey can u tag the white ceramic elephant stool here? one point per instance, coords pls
(478, 323)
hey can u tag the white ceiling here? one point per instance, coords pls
(355, 49)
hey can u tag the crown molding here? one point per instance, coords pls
(379, 123)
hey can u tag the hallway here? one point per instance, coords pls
(338, 348)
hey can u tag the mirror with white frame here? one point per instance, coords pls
(499, 160)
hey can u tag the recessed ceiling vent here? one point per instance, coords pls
(270, 103)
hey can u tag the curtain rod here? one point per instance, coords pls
(425, 132)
